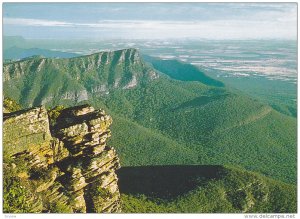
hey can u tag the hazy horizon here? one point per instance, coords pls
(215, 21)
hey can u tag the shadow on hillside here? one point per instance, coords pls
(166, 182)
(181, 71)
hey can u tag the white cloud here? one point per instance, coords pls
(221, 29)
(35, 22)
(282, 27)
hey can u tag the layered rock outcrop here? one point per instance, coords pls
(68, 167)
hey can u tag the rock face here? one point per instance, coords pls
(69, 165)
(26, 129)
(74, 80)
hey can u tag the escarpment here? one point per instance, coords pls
(47, 81)
(65, 167)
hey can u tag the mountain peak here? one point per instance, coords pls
(129, 54)
(79, 78)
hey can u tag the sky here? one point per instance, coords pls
(150, 20)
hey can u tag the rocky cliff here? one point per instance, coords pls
(39, 81)
(65, 167)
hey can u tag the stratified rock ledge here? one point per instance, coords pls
(78, 167)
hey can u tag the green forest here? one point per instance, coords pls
(194, 144)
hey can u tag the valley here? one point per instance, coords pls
(170, 116)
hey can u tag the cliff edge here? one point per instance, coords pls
(65, 167)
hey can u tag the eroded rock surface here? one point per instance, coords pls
(68, 167)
